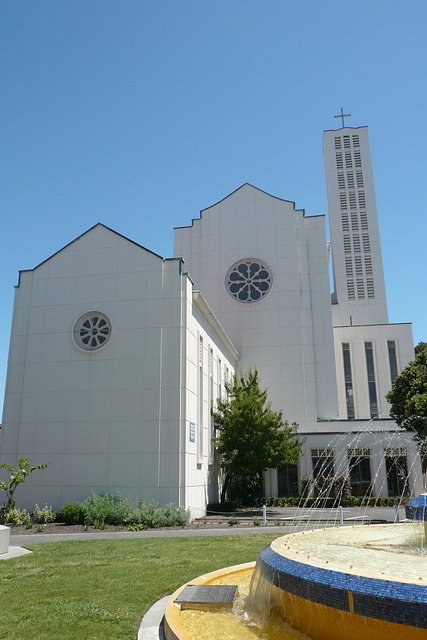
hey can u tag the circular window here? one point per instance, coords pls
(248, 280)
(92, 331)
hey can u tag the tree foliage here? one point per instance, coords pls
(17, 476)
(250, 437)
(408, 397)
(421, 346)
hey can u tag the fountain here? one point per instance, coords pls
(358, 582)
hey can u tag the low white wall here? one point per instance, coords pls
(4, 539)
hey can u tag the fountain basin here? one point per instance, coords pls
(174, 628)
(357, 583)
(352, 583)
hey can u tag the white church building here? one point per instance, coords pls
(117, 354)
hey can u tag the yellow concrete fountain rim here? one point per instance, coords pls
(173, 627)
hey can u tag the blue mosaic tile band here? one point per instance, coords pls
(417, 508)
(374, 598)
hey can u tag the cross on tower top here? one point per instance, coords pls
(343, 115)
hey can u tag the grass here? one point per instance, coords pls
(100, 589)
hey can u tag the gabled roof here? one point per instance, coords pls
(99, 224)
(248, 184)
(243, 186)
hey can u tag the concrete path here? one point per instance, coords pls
(291, 519)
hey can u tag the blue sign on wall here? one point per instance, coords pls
(192, 432)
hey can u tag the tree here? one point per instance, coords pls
(421, 346)
(17, 476)
(250, 437)
(408, 399)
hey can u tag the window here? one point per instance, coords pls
(372, 387)
(357, 159)
(339, 161)
(356, 243)
(359, 470)
(92, 331)
(355, 141)
(287, 480)
(352, 198)
(360, 289)
(363, 220)
(248, 280)
(359, 179)
(210, 405)
(362, 199)
(344, 221)
(368, 265)
(348, 380)
(200, 416)
(347, 245)
(366, 243)
(396, 462)
(341, 181)
(348, 268)
(210, 362)
(370, 287)
(346, 142)
(358, 265)
(348, 162)
(200, 351)
(391, 345)
(354, 221)
(337, 143)
(322, 461)
(350, 290)
(343, 201)
(350, 180)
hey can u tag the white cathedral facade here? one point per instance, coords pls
(117, 355)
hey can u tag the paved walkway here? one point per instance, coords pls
(291, 519)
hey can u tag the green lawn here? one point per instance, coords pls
(100, 589)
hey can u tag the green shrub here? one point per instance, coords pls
(43, 516)
(257, 522)
(133, 516)
(18, 517)
(171, 516)
(101, 510)
(73, 513)
(150, 516)
(109, 508)
(232, 521)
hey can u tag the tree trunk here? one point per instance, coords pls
(225, 488)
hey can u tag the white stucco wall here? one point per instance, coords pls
(210, 358)
(116, 418)
(356, 336)
(287, 334)
(95, 415)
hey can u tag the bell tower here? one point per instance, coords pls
(359, 291)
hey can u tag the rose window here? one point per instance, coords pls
(248, 280)
(92, 331)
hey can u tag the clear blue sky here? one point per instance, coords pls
(140, 113)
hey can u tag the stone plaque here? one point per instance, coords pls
(207, 596)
